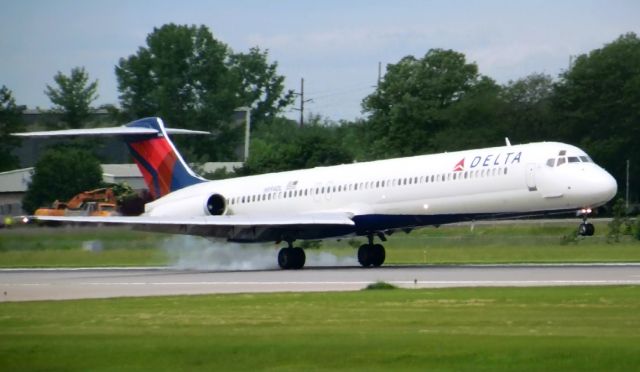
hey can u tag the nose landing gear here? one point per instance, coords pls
(586, 228)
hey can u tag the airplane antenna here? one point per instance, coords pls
(506, 140)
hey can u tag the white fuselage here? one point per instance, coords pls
(447, 187)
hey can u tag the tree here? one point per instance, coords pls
(261, 86)
(61, 173)
(473, 121)
(190, 79)
(281, 145)
(410, 104)
(597, 103)
(73, 96)
(10, 122)
(527, 113)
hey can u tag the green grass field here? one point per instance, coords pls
(531, 243)
(486, 329)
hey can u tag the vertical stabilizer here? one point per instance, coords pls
(161, 165)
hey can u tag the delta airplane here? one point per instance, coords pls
(372, 199)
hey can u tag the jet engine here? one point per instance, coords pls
(216, 205)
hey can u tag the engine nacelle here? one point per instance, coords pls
(216, 205)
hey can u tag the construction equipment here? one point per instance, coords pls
(98, 202)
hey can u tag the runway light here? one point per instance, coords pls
(25, 220)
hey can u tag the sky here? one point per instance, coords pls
(334, 45)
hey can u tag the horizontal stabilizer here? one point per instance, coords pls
(109, 131)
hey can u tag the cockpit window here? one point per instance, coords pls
(562, 159)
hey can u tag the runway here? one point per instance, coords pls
(63, 284)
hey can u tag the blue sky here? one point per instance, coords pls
(334, 45)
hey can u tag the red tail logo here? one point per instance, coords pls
(459, 167)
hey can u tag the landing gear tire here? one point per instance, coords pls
(586, 229)
(291, 258)
(371, 255)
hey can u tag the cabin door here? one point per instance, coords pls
(531, 177)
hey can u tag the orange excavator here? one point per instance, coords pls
(98, 202)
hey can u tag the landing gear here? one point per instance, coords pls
(372, 254)
(291, 258)
(586, 228)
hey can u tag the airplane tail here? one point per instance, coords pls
(161, 165)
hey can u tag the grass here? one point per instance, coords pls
(530, 243)
(64, 247)
(479, 329)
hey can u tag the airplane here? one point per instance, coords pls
(371, 199)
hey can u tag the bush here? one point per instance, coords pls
(380, 285)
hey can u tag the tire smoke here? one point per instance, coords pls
(195, 253)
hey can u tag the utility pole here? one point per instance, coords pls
(379, 73)
(627, 191)
(302, 102)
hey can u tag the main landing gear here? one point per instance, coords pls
(291, 258)
(586, 228)
(371, 254)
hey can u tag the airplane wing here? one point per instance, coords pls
(231, 227)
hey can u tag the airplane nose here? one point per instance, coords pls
(606, 187)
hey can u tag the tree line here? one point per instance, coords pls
(433, 103)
